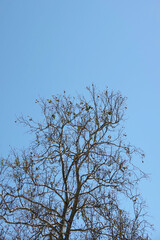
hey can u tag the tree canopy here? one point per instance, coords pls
(70, 182)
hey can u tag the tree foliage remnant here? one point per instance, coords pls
(68, 184)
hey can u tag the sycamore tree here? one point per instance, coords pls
(70, 182)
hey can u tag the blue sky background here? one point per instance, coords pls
(50, 46)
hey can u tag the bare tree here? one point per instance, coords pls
(68, 184)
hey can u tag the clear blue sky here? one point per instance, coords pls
(50, 46)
